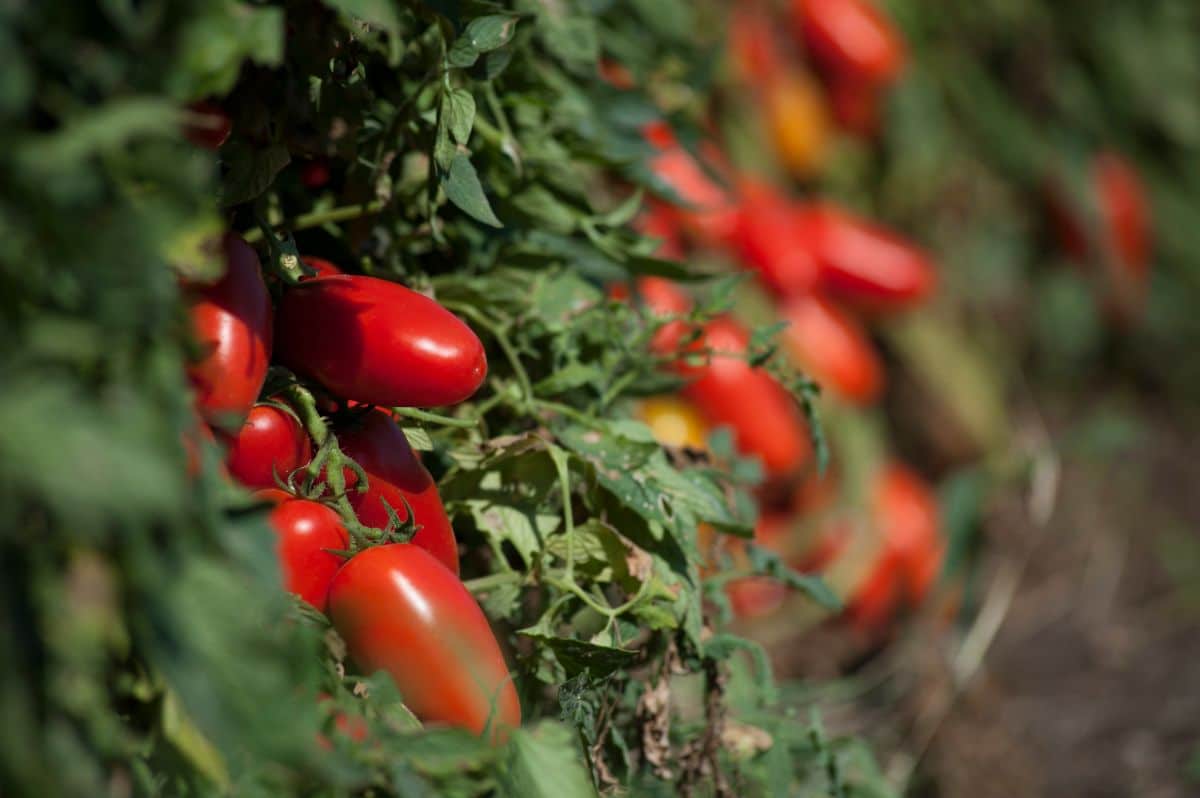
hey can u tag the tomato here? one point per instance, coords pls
(832, 348)
(752, 44)
(1125, 213)
(665, 298)
(659, 222)
(863, 263)
(730, 392)
(322, 267)
(314, 174)
(377, 342)
(709, 212)
(615, 74)
(797, 122)
(769, 241)
(906, 515)
(850, 38)
(674, 422)
(401, 611)
(395, 475)
(856, 106)
(232, 321)
(304, 530)
(210, 126)
(271, 442)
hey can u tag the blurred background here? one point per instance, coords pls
(1000, 202)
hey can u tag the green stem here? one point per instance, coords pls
(491, 581)
(506, 345)
(435, 418)
(317, 218)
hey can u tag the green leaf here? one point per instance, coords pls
(458, 106)
(251, 170)
(483, 34)
(769, 563)
(577, 656)
(104, 129)
(545, 762)
(463, 188)
(418, 438)
(543, 206)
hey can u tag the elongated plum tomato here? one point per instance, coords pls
(395, 475)
(1125, 210)
(322, 267)
(270, 442)
(832, 348)
(401, 611)
(863, 263)
(304, 530)
(797, 118)
(663, 297)
(232, 321)
(771, 243)
(850, 38)
(730, 392)
(377, 342)
(709, 212)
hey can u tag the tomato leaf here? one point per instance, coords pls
(545, 762)
(462, 187)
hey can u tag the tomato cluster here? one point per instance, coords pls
(831, 274)
(361, 530)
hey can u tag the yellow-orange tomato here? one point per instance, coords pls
(798, 122)
(674, 422)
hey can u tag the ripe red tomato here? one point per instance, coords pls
(377, 342)
(765, 420)
(863, 263)
(856, 106)
(752, 44)
(657, 221)
(832, 348)
(304, 530)
(615, 74)
(402, 611)
(211, 127)
(322, 267)
(665, 298)
(1125, 214)
(314, 174)
(906, 515)
(769, 241)
(710, 213)
(271, 441)
(850, 38)
(376, 443)
(232, 321)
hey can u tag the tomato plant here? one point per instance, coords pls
(377, 342)
(400, 610)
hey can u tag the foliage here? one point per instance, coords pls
(473, 151)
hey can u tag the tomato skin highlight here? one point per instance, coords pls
(402, 611)
(395, 475)
(850, 38)
(863, 263)
(232, 321)
(304, 530)
(271, 441)
(377, 342)
(832, 348)
(770, 242)
(730, 392)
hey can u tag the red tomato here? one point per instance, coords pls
(271, 441)
(659, 222)
(856, 106)
(322, 267)
(232, 321)
(378, 342)
(769, 241)
(615, 74)
(210, 128)
(665, 298)
(905, 513)
(850, 38)
(832, 348)
(864, 263)
(273, 495)
(1125, 214)
(305, 529)
(394, 473)
(402, 611)
(752, 44)
(314, 174)
(765, 420)
(710, 213)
